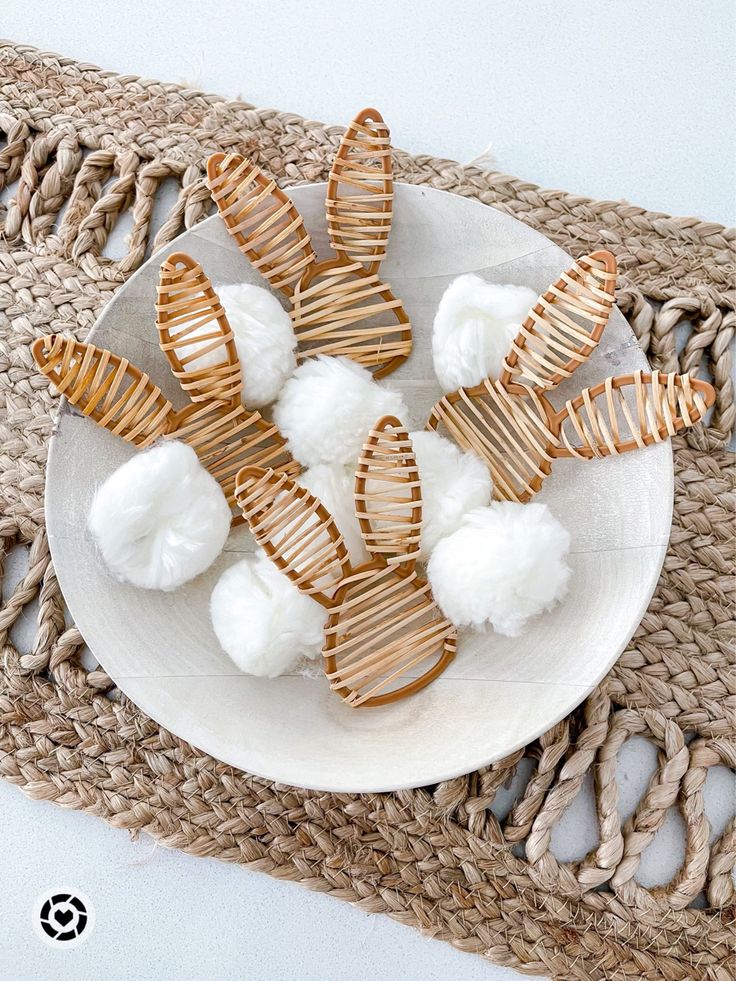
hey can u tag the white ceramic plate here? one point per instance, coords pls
(500, 693)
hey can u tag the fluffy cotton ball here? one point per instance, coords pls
(505, 564)
(262, 620)
(264, 338)
(160, 519)
(473, 329)
(334, 486)
(453, 482)
(327, 408)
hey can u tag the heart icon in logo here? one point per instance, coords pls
(63, 915)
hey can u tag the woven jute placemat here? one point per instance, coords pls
(83, 146)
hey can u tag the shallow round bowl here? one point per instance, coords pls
(499, 693)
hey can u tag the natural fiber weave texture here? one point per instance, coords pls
(436, 858)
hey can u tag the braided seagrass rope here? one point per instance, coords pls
(438, 858)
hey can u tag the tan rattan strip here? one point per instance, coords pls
(268, 228)
(383, 625)
(109, 389)
(388, 497)
(296, 531)
(565, 326)
(227, 438)
(192, 325)
(622, 414)
(330, 313)
(360, 192)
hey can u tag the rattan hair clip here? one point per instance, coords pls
(511, 424)
(193, 330)
(383, 621)
(339, 306)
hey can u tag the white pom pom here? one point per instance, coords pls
(327, 408)
(453, 482)
(505, 564)
(262, 620)
(473, 329)
(264, 338)
(334, 486)
(160, 519)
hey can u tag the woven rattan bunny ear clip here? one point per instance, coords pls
(196, 338)
(339, 306)
(510, 423)
(385, 637)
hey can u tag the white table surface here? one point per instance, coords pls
(451, 80)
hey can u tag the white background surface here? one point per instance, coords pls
(612, 99)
